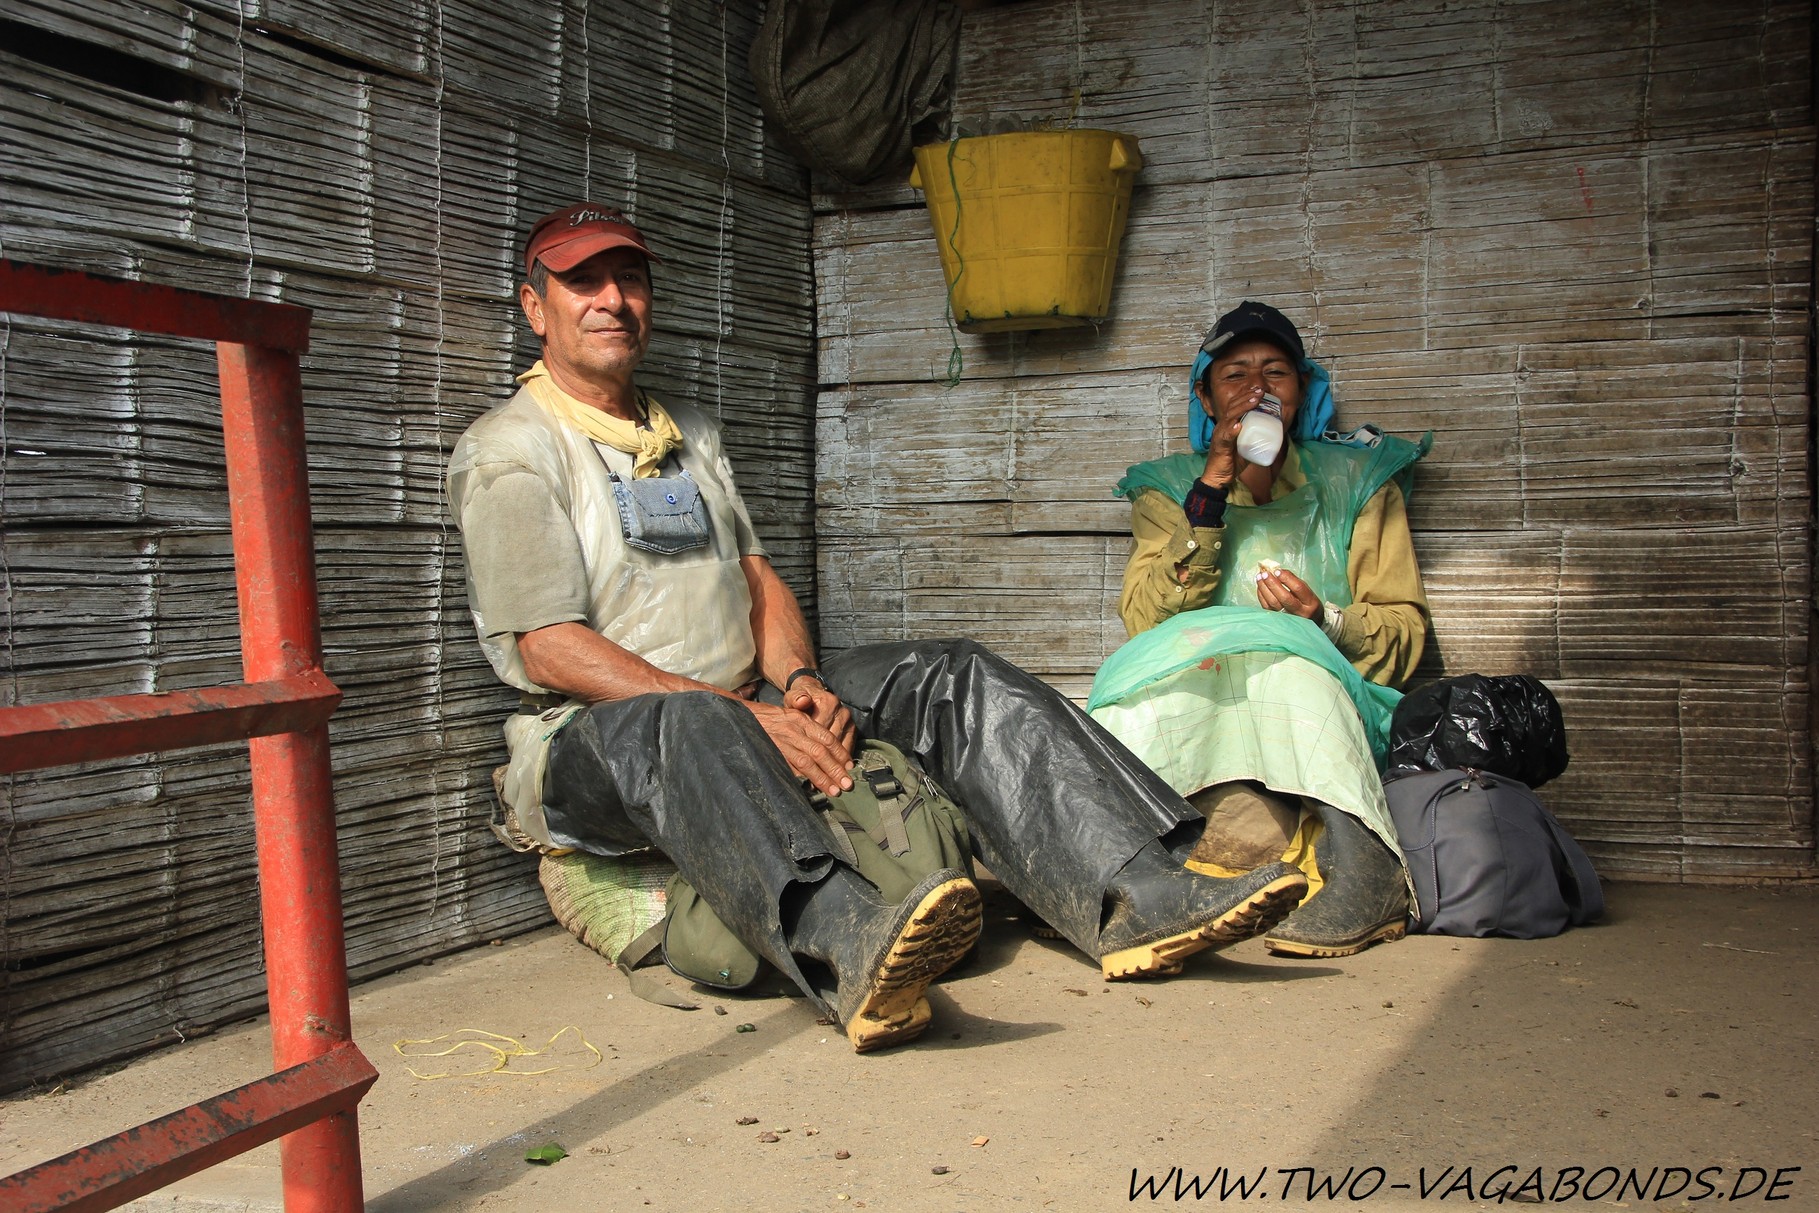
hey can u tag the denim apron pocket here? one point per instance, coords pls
(663, 514)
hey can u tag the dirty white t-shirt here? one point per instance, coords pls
(540, 529)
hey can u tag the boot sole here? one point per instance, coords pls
(938, 933)
(1252, 916)
(1294, 947)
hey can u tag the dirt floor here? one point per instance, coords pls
(1676, 1039)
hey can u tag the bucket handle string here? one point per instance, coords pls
(956, 361)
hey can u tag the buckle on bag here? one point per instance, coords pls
(884, 784)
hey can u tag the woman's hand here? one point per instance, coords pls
(1223, 463)
(1281, 590)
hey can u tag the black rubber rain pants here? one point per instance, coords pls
(1056, 806)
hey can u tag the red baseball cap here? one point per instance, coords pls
(564, 239)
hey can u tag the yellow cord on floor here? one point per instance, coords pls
(502, 1055)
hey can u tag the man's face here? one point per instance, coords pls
(594, 319)
(1242, 371)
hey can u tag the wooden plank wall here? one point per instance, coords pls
(378, 162)
(1574, 241)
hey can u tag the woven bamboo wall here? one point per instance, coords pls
(1575, 241)
(377, 162)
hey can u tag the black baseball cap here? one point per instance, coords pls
(1252, 319)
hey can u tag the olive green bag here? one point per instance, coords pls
(894, 826)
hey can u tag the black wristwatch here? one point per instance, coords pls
(807, 671)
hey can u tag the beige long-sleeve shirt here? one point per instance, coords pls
(1173, 568)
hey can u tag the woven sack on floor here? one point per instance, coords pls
(606, 903)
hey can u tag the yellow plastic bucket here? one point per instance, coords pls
(1029, 224)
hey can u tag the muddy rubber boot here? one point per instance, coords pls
(1364, 899)
(883, 957)
(1158, 913)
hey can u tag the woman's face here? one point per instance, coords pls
(1242, 372)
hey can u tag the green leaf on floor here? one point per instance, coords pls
(546, 1154)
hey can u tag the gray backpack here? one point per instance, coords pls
(1487, 858)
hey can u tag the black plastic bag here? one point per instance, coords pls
(1508, 725)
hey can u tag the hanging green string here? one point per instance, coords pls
(955, 360)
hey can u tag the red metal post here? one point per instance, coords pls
(293, 797)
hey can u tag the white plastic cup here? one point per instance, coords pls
(1260, 433)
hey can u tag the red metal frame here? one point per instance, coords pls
(282, 709)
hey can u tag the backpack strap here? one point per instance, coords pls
(894, 805)
(645, 950)
(839, 828)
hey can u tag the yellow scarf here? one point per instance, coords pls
(650, 443)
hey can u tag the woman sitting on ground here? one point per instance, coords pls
(1271, 605)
